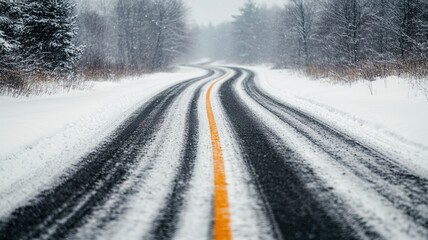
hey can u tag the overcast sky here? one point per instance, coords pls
(217, 11)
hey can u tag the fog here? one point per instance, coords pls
(204, 12)
(108, 37)
(200, 12)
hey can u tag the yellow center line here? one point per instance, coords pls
(221, 228)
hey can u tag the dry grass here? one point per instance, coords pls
(39, 84)
(370, 71)
(110, 74)
(16, 84)
(415, 71)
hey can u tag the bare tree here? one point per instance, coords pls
(301, 18)
(93, 35)
(152, 33)
(344, 29)
(170, 30)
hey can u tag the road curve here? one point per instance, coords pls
(300, 203)
(390, 179)
(216, 157)
(280, 180)
(57, 212)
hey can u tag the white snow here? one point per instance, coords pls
(361, 199)
(42, 136)
(248, 217)
(197, 209)
(394, 118)
(159, 162)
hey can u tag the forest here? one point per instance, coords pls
(343, 39)
(66, 40)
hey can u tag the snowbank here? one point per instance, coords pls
(42, 136)
(389, 114)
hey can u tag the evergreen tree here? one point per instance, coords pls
(49, 31)
(248, 33)
(10, 29)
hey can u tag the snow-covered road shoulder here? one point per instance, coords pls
(42, 136)
(388, 114)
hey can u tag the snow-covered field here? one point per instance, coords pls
(389, 114)
(41, 136)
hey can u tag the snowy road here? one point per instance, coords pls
(217, 157)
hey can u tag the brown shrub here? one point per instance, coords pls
(370, 71)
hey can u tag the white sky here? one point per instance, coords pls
(217, 11)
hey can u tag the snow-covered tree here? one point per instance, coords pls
(248, 33)
(170, 32)
(10, 30)
(93, 35)
(152, 33)
(361, 37)
(411, 26)
(10, 57)
(345, 29)
(49, 32)
(295, 34)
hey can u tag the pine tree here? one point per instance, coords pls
(10, 29)
(248, 33)
(49, 31)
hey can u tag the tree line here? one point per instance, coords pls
(131, 36)
(358, 38)
(343, 38)
(53, 39)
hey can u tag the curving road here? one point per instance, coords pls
(216, 157)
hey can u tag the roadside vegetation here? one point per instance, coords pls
(344, 40)
(48, 45)
(65, 42)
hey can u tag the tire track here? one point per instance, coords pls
(404, 189)
(57, 212)
(166, 223)
(280, 176)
